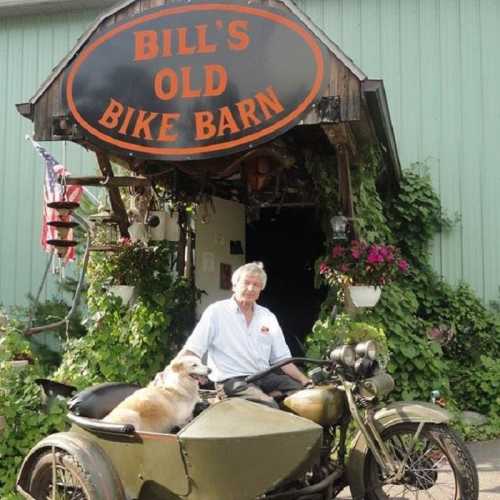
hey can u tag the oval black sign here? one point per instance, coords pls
(195, 81)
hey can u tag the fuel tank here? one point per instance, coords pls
(324, 405)
(238, 450)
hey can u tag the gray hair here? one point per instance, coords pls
(253, 268)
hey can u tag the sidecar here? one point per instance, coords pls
(233, 450)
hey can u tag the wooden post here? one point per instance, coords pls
(341, 136)
(114, 195)
(181, 244)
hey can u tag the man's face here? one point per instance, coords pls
(248, 288)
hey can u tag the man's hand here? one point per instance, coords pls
(292, 371)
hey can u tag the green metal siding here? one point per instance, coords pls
(29, 48)
(439, 63)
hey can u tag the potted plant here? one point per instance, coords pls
(125, 269)
(363, 269)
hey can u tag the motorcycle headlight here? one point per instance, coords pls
(344, 354)
(367, 349)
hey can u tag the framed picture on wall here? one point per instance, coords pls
(225, 276)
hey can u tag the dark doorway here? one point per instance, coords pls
(288, 242)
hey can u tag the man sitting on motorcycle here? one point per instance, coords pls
(241, 338)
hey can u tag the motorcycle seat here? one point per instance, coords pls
(97, 401)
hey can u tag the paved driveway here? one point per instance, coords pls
(487, 457)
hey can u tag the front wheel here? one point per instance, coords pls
(436, 465)
(69, 481)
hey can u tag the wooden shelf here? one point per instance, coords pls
(103, 181)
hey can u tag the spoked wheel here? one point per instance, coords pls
(435, 465)
(69, 482)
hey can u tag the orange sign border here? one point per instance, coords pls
(308, 38)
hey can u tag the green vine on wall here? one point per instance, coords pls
(421, 304)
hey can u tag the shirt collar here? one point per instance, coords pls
(236, 308)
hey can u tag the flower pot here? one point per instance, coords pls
(125, 292)
(19, 363)
(364, 295)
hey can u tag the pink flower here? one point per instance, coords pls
(337, 251)
(344, 268)
(387, 253)
(403, 265)
(324, 268)
(374, 255)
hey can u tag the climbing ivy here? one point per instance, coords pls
(129, 343)
(439, 336)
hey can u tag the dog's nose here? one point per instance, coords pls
(209, 370)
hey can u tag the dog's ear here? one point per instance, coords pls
(175, 366)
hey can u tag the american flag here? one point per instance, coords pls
(53, 191)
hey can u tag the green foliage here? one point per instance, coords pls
(131, 343)
(52, 311)
(13, 344)
(480, 390)
(323, 172)
(370, 220)
(27, 418)
(329, 333)
(417, 365)
(411, 307)
(416, 215)
(487, 431)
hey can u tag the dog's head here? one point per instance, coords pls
(189, 366)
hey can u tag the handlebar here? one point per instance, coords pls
(263, 373)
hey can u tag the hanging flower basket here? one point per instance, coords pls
(365, 295)
(125, 292)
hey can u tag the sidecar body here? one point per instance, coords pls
(233, 450)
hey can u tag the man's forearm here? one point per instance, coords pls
(292, 371)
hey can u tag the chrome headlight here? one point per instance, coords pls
(344, 354)
(367, 349)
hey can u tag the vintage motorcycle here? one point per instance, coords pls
(235, 449)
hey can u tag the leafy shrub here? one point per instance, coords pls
(417, 365)
(27, 419)
(422, 302)
(332, 332)
(131, 343)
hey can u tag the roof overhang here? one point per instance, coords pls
(350, 96)
(378, 106)
(27, 7)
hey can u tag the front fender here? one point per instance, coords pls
(87, 453)
(395, 413)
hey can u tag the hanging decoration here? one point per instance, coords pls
(59, 202)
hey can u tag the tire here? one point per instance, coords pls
(72, 481)
(440, 467)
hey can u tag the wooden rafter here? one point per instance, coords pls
(341, 136)
(117, 204)
(104, 181)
